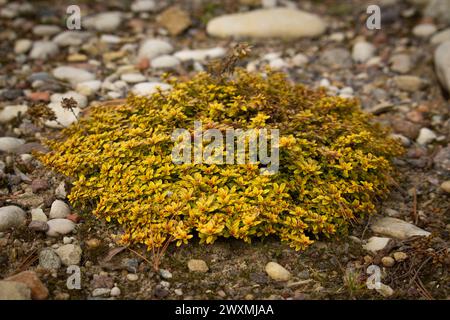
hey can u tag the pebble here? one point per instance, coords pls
(72, 75)
(446, 186)
(178, 292)
(44, 50)
(58, 227)
(442, 64)
(38, 226)
(400, 256)
(278, 64)
(442, 159)
(111, 39)
(362, 51)
(396, 228)
(8, 144)
(143, 6)
(59, 209)
(38, 215)
(9, 113)
(44, 30)
(70, 254)
(60, 191)
(11, 217)
(425, 136)
(200, 54)
(101, 292)
(29, 278)
(67, 240)
(165, 62)
(22, 46)
(133, 77)
(102, 281)
(409, 83)
(441, 36)
(299, 60)
(387, 261)
(174, 19)
(71, 38)
(149, 88)
(81, 100)
(277, 272)
(267, 23)
(49, 260)
(64, 117)
(115, 292)
(385, 290)
(401, 63)
(165, 274)
(152, 48)
(38, 185)
(375, 244)
(11, 290)
(89, 88)
(132, 277)
(424, 30)
(104, 22)
(197, 265)
(336, 57)
(93, 243)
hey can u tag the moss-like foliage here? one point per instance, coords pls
(334, 163)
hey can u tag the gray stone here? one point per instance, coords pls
(409, 83)
(46, 30)
(396, 228)
(363, 51)
(401, 63)
(59, 209)
(49, 260)
(38, 226)
(442, 64)
(58, 227)
(337, 57)
(143, 6)
(442, 159)
(44, 50)
(11, 290)
(441, 36)
(375, 244)
(104, 22)
(70, 254)
(424, 30)
(72, 75)
(8, 144)
(200, 54)
(101, 292)
(22, 46)
(11, 217)
(152, 48)
(71, 38)
(165, 62)
(267, 23)
(149, 88)
(9, 113)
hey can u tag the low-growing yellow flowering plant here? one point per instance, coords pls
(333, 163)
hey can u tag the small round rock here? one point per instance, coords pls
(388, 261)
(400, 256)
(197, 265)
(132, 277)
(115, 292)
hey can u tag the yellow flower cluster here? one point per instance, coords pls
(334, 163)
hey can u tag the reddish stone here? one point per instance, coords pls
(414, 116)
(39, 96)
(31, 280)
(39, 185)
(143, 64)
(74, 217)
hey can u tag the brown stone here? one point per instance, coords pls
(38, 290)
(39, 96)
(174, 19)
